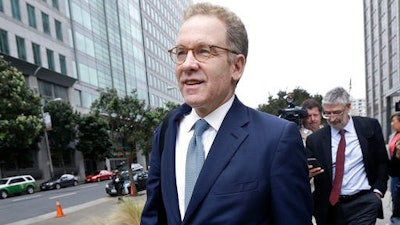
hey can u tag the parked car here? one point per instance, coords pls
(99, 176)
(64, 180)
(139, 177)
(16, 185)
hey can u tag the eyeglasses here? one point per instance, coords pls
(327, 115)
(201, 53)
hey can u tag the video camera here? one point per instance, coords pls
(292, 113)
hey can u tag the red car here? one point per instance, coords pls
(99, 176)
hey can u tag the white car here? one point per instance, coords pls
(16, 185)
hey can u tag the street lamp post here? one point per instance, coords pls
(46, 138)
(47, 122)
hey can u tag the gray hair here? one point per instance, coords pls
(236, 31)
(336, 95)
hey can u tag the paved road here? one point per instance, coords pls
(91, 213)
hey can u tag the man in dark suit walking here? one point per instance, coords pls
(352, 153)
(254, 165)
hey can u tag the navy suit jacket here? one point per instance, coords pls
(255, 173)
(375, 160)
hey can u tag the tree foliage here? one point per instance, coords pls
(93, 138)
(20, 117)
(125, 116)
(152, 119)
(63, 131)
(131, 123)
(275, 104)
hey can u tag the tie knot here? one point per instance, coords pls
(200, 126)
(341, 132)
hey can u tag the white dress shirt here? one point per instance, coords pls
(355, 178)
(185, 133)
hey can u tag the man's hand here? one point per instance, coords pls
(312, 172)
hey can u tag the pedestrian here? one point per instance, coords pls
(394, 176)
(312, 122)
(254, 169)
(118, 182)
(352, 152)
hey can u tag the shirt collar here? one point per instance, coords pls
(215, 118)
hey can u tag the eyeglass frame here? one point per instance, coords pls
(333, 114)
(174, 55)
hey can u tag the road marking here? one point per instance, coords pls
(26, 198)
(87, 186)
(64, 195)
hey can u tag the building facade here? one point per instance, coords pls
(75, 49)
(382, 66)
(358, 107)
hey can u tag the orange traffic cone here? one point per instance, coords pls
(132, 191)
(59, 209)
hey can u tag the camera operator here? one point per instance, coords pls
(292, 113)
(312, 122)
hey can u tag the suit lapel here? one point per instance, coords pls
(362, 133)
(226, 143)
(326, 149)
(168, 175)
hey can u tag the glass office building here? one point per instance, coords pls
(75, 49)
(382, 65)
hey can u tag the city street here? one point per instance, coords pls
(24, 206)
(91, 213)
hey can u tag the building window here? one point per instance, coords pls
(78, 98)
(55, 4)
(31, 15)
(1, 6)
(36, 54)
(63, 64)
(16, 14)
(21, 47)
(4, 48)
(58, 30)
(50, 59)
(46, 23)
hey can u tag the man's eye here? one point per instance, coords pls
(181, 52)
(203, 51)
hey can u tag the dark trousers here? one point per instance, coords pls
(362, 210)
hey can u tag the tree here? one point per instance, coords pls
(152, 119)
(275, 104)
(93, 139)
(20, 117)
(131, 123)
(125, 116)
(63, 133)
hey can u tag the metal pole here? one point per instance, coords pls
(46, 138)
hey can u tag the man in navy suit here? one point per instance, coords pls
(365, 165)
(255, 169)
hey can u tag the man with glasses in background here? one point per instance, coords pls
(352, 152)
(252, 166)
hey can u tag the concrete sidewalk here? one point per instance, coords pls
(90, 213)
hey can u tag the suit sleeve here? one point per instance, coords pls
(153, 211)
(381, 159)
(290, 186)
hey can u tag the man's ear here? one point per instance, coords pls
(238, 67)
